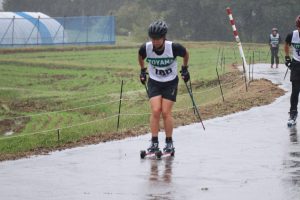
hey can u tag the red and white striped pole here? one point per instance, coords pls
(236, 36)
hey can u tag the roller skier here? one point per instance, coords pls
(293, 41)
(161, 54)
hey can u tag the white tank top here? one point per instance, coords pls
(296, 45)
(162, 67)
(274, 40)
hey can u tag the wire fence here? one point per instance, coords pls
(129, 100)
(24, 30)
(101, 117)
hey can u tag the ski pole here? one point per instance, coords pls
(146, 88)
(194, 105)
(191, 89)
(287, 69)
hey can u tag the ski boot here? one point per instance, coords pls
(152, 150)
(292, 119)
(153, 147)
(169, 148)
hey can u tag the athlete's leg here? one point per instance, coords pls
(276, 57)
(272, 56)
(167, 106)
(156, 109)
(295, 95)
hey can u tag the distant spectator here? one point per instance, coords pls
(274, 41)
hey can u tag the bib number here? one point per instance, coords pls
(162, 72)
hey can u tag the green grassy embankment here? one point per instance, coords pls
(76, 91)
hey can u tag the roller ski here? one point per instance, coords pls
(152, 151)
(292, 120)
(169, 150)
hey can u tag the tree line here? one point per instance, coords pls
(197, 20)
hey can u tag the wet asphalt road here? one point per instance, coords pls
(248, 155)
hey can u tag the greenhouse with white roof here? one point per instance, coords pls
(35, 28)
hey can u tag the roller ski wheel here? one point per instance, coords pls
(173, 154)
(292, 120)
(291, 123)
(143, 154)
(158, 154)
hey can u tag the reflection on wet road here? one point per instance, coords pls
(247, 155)
(160, 178)
(293, 135)
(166, 171)
(292, 164)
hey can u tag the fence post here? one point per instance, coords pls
(58, 135)
(220, 84)
(64, 25)
(253, 62)
(13, 30)
(224, 63)
(38, 30)
(120, 103)
(245, 75)
(87, 30)
(250, 59)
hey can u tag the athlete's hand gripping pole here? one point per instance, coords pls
(143, 78)
(287, 69)
(288, 61)
(194, 104)
(185, 75)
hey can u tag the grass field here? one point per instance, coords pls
(76, 90)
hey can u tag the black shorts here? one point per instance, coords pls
(168, 90)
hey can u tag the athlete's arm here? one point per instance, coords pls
(186, 58)
(279, 39)
(181, 51)
(141, 62)
(142, 56)
(288, 42)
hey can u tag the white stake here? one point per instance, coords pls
(236, 36)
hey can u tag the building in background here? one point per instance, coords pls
(29, 28)
(35, 28)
